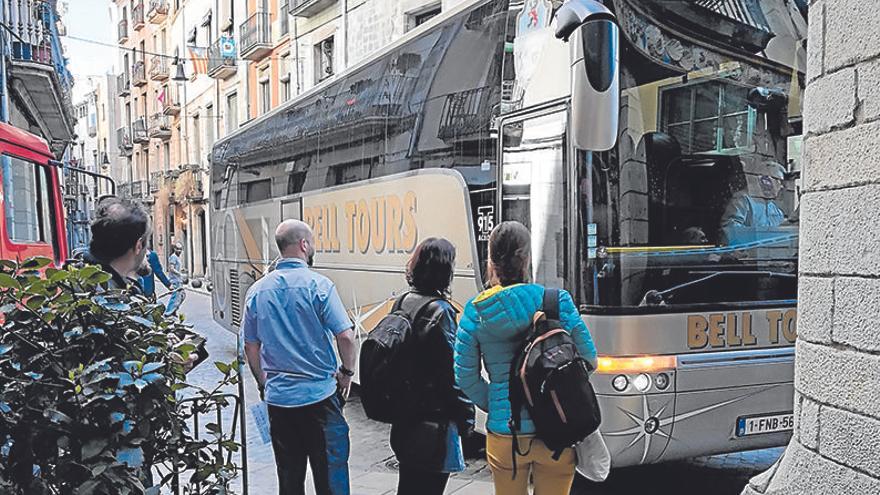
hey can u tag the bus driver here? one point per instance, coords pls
(745, 211)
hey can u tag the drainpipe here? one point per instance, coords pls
(344, 4)
(296, 59)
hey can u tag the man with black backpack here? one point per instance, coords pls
(291, 317)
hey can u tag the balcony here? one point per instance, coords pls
(123, 31)
(139, 74)
(155, 182)
(466, 114)
(37, 69)
(160, 126)
(139, 131)
(741, 24)
(309, 8)
(256, 37)
(123, 139)
(169, 100)
(158, 11)
(137, 16)
(193, 184)
(222, 55)
(159, 68)
(123, 190)
(123, 85)
(139, 189)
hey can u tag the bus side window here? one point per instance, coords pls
(28, 202)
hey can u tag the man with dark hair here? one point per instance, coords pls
(119, 240)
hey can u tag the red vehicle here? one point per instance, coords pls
(30, 192)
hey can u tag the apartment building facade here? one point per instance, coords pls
(192, 71)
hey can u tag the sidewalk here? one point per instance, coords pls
(372, 466)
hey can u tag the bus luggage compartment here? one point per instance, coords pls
(732, 401)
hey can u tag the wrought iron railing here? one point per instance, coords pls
(160, 125)
(157, 8)
(139, 73)
(35, 37)
(170, 102)
(123, 138)
(123, 84)
(255, 31)
(137, 15)
(741, 11)
(466, 113)
(155, 181)
(217, 61)
(139, 131)
(122, 29)
(158, 68)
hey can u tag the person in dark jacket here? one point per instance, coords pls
(119, 241)
(428, 444)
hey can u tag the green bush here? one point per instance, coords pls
(88, 385)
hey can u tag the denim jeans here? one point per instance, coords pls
(317, 434)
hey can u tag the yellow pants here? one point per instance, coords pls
(550, 477)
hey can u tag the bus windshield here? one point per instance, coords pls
(697, 204)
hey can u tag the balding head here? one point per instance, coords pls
(289, 237)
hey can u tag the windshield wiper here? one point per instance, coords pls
(658, 297)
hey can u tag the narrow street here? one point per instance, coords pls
(373, 468)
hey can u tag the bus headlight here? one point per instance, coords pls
(662, 381)
(642, 382)
(620, 383)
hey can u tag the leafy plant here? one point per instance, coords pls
(89, 390)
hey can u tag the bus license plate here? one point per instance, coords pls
(771, 423)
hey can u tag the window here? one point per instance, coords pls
(231, 112)
(284, 76)
(324, 60)
(283, 13)
(423, 16)
(265, 91)
(708, 116)
(209, 128)
(285, 89)
(166, 152)
(259, 190)
(28, 203)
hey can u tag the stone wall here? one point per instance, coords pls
(837, 371)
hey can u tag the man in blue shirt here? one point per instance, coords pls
(747, 216)
(292, 315)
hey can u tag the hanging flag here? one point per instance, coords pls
(199, 58)
(161, 96)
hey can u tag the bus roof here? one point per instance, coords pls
(19, 137)
(464, 6)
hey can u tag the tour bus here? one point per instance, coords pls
(653, 149)
(30, 192)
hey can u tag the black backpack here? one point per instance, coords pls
(386, 377)
(551, 379)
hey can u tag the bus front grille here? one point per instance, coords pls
(234, 297)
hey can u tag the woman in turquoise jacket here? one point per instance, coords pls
(491, 331)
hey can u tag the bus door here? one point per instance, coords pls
(535, 188)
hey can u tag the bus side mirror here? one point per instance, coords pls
(594, 36)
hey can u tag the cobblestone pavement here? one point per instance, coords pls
(372, 463)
